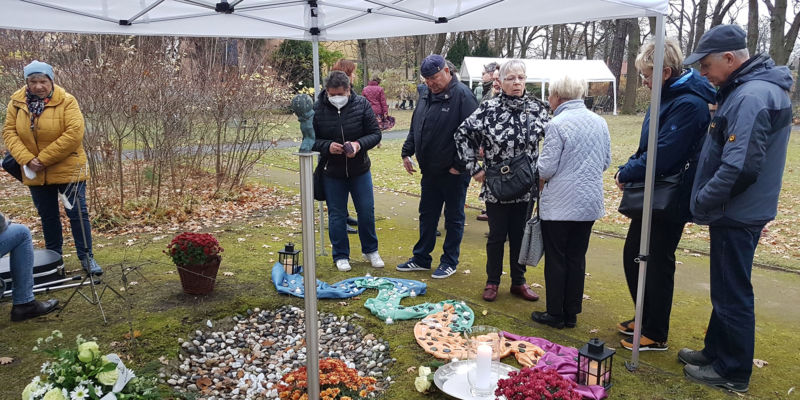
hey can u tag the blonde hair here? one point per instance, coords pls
(568, 87)
(673, 57)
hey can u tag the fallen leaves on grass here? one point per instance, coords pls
(228, 273)
(6, 360)
(136, 334)
(759, 363)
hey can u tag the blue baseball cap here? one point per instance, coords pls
(38, 67)
(431, 65)
(718, 39)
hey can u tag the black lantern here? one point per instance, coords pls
(594, 364)
(288, 257)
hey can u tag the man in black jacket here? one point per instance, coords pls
(430, 138)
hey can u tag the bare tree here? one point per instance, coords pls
(781, 40)
(752, 25)
(631, 78)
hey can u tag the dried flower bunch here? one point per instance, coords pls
(337, 382)
(536, 384)
(193, 249)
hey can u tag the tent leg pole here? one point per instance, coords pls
(647, 209)
(315, 54)
(309, 254)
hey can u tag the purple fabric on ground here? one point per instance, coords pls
(564, 360)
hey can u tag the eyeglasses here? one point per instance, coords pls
(645, 78)
(512, 78)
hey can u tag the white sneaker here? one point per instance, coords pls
(375, 259)
(343, 265)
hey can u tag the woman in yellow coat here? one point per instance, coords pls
(44, 133)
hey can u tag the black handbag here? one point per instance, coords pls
(511, 179)
(12, 166)
(319, 189)
(666, 197)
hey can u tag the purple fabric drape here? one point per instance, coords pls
(565, 361)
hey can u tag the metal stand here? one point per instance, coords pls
(309, 272)
(72, 195)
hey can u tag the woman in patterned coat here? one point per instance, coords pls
(505, 126)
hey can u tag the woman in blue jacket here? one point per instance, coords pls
(683, 120)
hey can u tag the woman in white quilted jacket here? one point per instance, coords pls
(576, 151)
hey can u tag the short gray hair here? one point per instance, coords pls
(568, 87)
(741, 54)
(337, 79)
(514, 64)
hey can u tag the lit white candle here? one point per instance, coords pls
(483, 366)
(594, 373)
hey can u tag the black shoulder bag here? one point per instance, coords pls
(512, 178)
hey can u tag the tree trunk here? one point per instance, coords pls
(752, 25)
(631, 76)
(617, 51)
(554, 39)
(440, 41)
(362, 53)
(700, 22)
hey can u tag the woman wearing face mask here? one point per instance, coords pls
(345, 128)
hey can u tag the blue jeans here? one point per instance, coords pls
(438, 190)
(45, 198)
(360, 189)
(17, 241)
(730, 338)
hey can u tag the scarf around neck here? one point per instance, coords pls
(513, 102)
(36, 105)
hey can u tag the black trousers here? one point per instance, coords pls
(565, 245)
(505, 221)
(660, 279)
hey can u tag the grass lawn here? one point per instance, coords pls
(779, 246)
(162, 314)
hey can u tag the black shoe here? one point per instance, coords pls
(706, 375)
(570, 320)
(438, 233)
(693, 357)
(556, 321)
(351, 230)
(352, 221)
(21, 312)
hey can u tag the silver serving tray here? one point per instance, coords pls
(451, 378)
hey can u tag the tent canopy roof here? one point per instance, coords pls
(542, 70)
(291, 19)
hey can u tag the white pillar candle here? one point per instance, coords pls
(483, 366)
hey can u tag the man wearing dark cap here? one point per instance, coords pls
(735, 193)
(439, 112)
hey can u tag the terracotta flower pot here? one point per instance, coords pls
(199, 279)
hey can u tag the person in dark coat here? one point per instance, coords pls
(683, 119)
(736, 193)
(439, 112)
(346, 128)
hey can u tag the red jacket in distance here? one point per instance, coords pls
(376, 97)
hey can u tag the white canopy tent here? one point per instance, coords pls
(544, 71)
(328, 20)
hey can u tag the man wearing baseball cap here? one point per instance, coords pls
(439, 112)
(735, 193)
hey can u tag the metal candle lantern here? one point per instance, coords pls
(594, 364)
(288, 257)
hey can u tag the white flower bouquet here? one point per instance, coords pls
(82, 373)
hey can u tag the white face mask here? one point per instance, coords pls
(339, 101)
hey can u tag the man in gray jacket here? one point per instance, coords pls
(735, 193)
